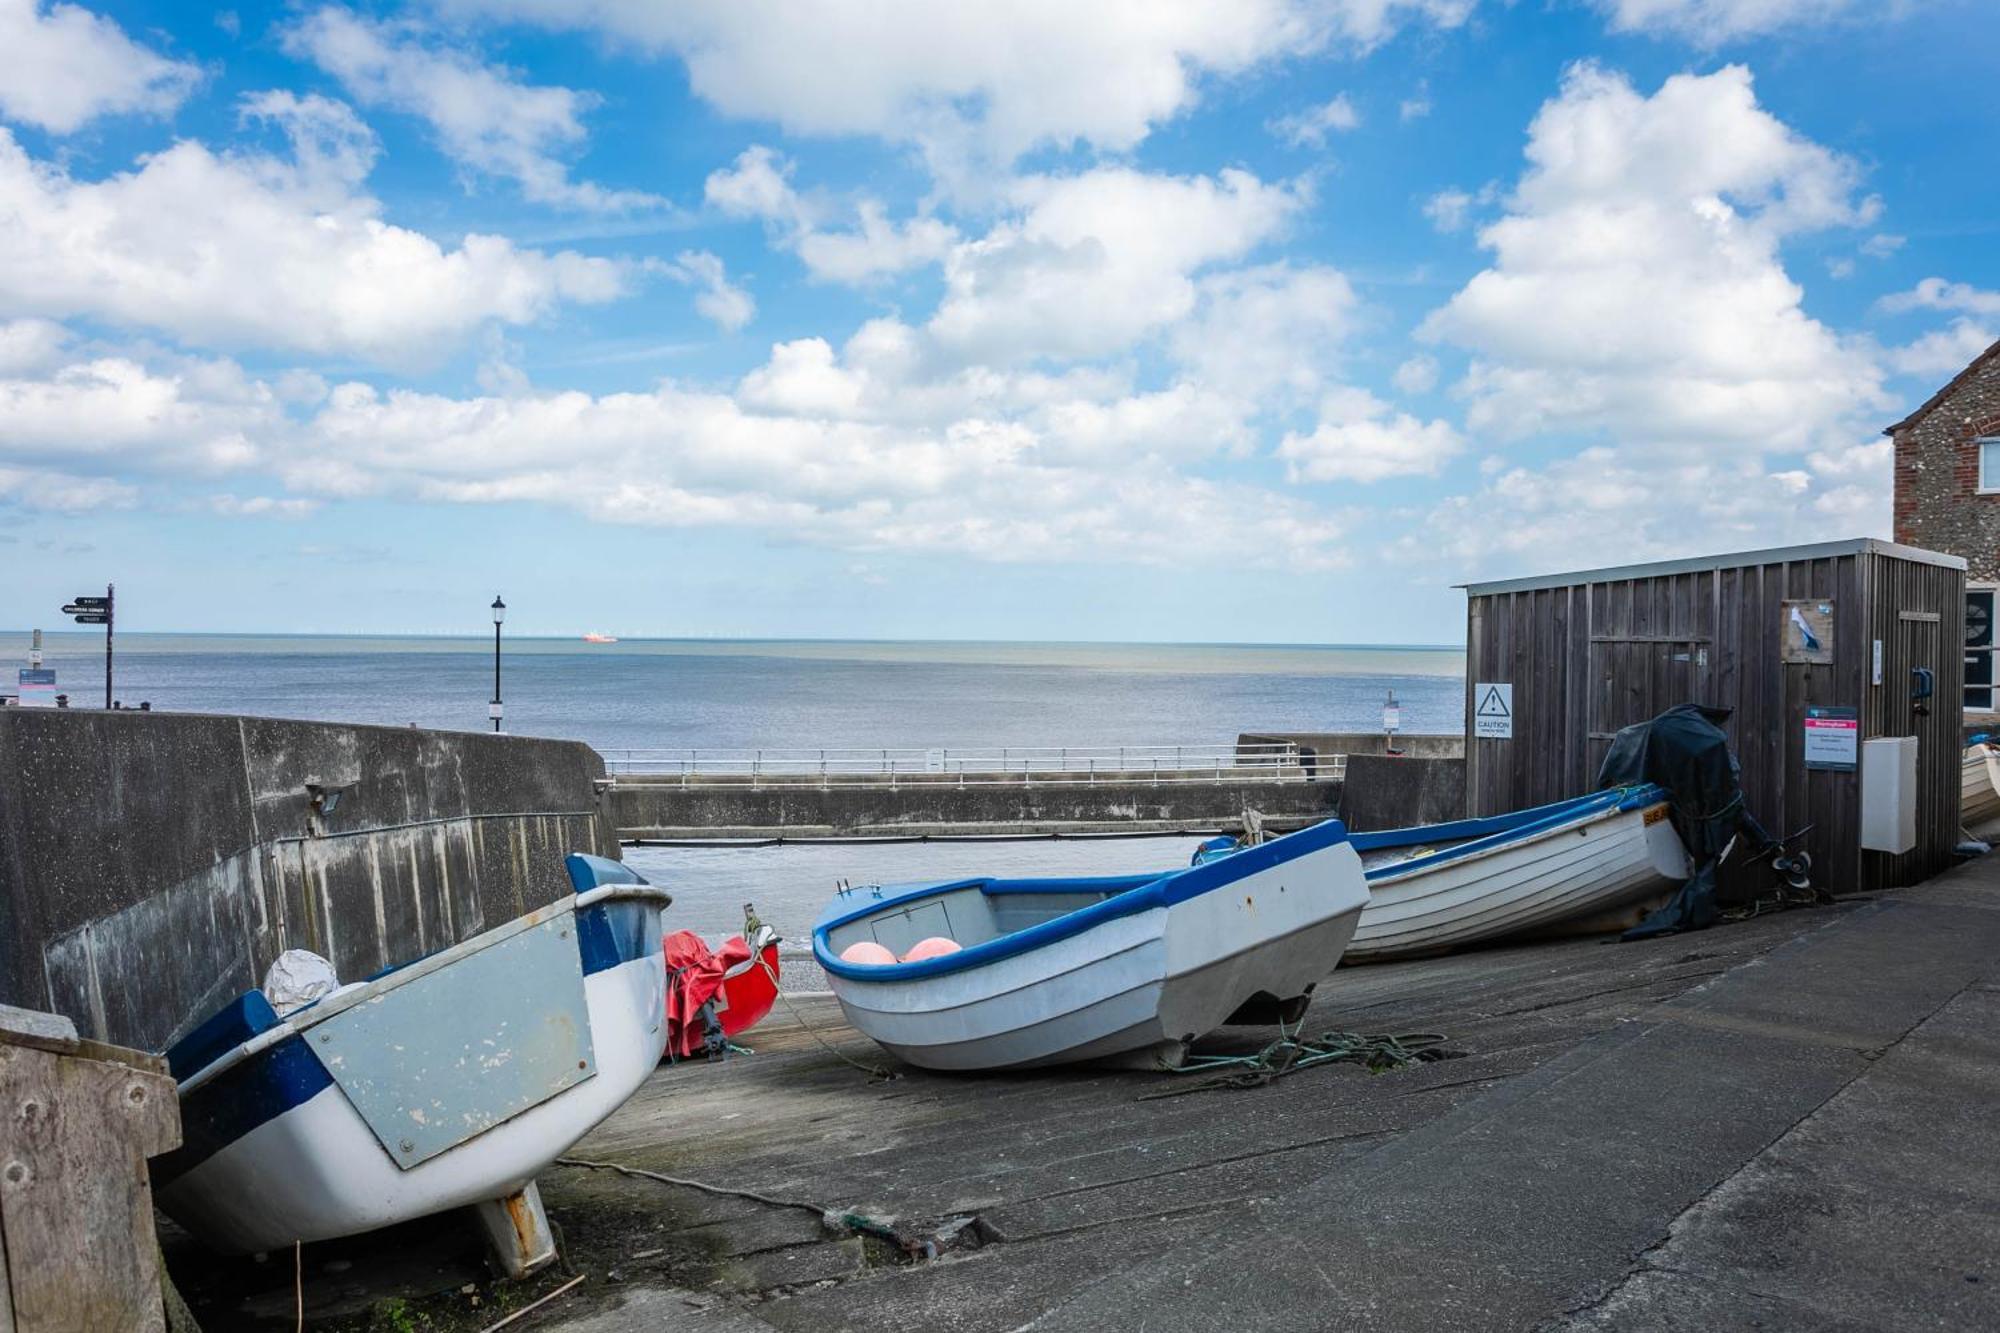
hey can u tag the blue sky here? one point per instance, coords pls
(1260, 321)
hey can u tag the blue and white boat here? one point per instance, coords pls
(1129, 968)
(450, 1081)
(1595, 863)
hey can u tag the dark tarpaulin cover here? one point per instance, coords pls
(1684, 751)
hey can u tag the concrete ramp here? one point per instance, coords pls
(1733, 1155)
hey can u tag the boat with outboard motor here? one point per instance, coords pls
(1007, 973)
(449, 1081)
(1595, 863)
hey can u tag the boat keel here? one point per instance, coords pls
(518, 1229)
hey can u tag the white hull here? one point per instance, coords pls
(1138, 986)
(1599, 872)
(1979, 790)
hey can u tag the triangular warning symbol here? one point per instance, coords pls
(1491, 705)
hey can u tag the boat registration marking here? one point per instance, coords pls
(1655, 813)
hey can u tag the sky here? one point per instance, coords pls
(1258, 321)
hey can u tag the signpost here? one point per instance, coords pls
(98, 611)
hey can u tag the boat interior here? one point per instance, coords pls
(969, 912)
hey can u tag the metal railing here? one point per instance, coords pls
(972, 766)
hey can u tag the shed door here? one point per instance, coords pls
(1636, 679)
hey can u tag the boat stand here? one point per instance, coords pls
(518, 1229)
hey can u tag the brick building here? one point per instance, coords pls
(1948, 499)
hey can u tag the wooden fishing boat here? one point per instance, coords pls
(447, 1082)
(1979, 788)
(1131, 967)
(1596, 863)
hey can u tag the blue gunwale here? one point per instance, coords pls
(1130, 895)
(1475, 837)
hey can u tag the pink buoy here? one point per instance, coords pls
(934, 947)
(866, 952)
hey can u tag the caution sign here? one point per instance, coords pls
(1493, 712)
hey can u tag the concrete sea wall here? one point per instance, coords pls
(153, 864)
(666, 808)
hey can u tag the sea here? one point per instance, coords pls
(746, 694)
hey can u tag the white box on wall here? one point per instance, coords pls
(1889, 793)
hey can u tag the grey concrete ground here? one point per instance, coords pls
(1782, 1123)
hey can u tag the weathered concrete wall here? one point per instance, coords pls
(1401, 791)
(153, 864)
(666, 809)
(1314, 745)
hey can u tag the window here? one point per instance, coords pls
(1979, 681)
(1989, 463)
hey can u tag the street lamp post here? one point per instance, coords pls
(499, 614)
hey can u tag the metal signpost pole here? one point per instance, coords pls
(97, 611)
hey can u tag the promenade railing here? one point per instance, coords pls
(974, 765)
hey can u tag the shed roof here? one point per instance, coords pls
(1776, 555)
(1931, 403)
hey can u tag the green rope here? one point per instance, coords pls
(1290, 1053)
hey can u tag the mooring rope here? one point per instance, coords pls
(873, 1071)
(1378, 1054)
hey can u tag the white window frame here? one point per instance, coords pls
(1993, 690)
(1989, 479)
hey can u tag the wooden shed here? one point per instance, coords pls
(1840, 642)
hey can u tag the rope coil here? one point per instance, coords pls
(1378, 1054)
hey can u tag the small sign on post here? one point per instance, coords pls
(1833, 739)
(98, 611)
(38, 687)
(1493, 711)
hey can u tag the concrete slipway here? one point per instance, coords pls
(1782, 1123)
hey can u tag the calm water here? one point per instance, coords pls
(748, 694)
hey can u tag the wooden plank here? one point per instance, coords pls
(74, 1200)
(32, 1027)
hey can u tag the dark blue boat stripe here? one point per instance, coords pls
(617, 931)
(1149, 892)
(238, 1100)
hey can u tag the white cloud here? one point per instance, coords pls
(1636, 290)
(1882, 245)
(758, 185)
(62, 66)
(728, 306)
(1419, 374)
(1714, 21)
(1311, 126)
(1943, 352)
(982, 488)
(1266, 332)
(1100, 259)
(255, 250)
(877, 247)
(485, 118)
(1937, 294)
(980, 81)
(262, 506)
(1637, 296)
(1417, 105)
(1359, 438)
(1448, 209)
